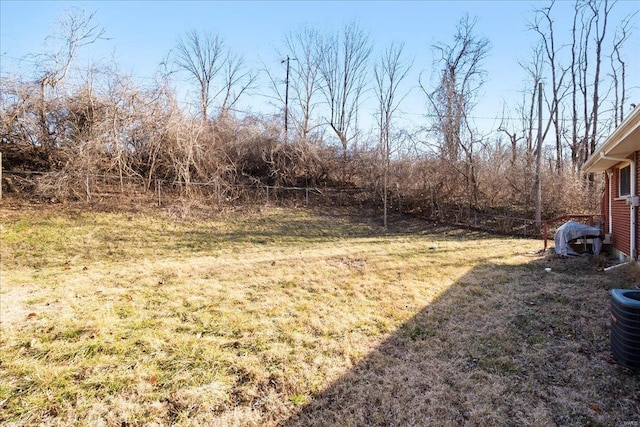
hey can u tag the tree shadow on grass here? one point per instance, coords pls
(505, 345)
(314, 226)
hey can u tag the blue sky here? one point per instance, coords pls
(142, 32)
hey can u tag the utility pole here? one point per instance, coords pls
(286, 100)
(539, 160)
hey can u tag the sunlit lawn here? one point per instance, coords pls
(287, 316)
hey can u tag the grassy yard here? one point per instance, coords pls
(298, 317)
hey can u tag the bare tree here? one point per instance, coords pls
(219, 74)
(77, 29)
(601, 18)
(237, 81)
(389, 73)
(528, 114)
(521, 127)
(343, 69)
(544, 26)
(589, 32)
(301, 53)
(201, 56)
(576, 49)
(304, 81)
(618, 72)
(461, 76)
(618, 67)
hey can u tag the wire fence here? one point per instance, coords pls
(105, 188)
(499, 224)
(98, 187)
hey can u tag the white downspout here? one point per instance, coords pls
(633, 209)
(609, 176)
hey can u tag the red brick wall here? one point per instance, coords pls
(620, 213)
(637, 208)
(604, 205)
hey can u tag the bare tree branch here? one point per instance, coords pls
(201, 56)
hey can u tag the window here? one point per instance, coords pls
(625, 181)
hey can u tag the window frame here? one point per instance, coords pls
(626, 184)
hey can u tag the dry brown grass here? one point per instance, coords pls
(296, 317)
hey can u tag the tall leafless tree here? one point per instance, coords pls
(589, 87)
(201, 55)
(543, 24)
(601, 12)
(389, 73)
(460, 77)
(343, 60)
(618, 73)
(619, 67)
(77, 28)
(302, 48)
(305, 84)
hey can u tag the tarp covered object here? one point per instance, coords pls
(571, 230)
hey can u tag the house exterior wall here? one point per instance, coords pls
(604, 205)
(622, 143)
(620, 216)
(637, 183)
(620, 211)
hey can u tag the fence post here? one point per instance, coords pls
(306, 196)
(86, 183)
(158, 191)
